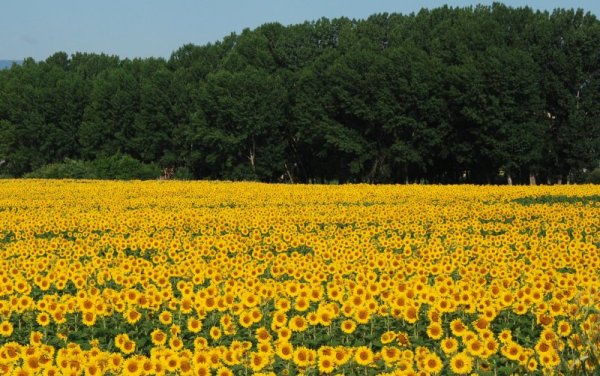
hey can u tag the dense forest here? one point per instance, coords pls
(486, 94)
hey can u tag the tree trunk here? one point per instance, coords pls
(252, 155)
(532, 179)
(509, 180)
(289, 174)
(373, 172)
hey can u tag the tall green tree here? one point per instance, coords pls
(483, 94)
(237, 130)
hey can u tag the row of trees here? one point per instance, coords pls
(485, 95)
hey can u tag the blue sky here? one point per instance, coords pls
(143, 28)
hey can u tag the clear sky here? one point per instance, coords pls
(143, 28)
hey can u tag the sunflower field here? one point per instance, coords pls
(217, 278)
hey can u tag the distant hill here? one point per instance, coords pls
(8, 63)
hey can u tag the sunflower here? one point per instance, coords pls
(475, 347)
(544, 320)
(175, 343)
(457, 327)
(543, 347)
(250, 300)
(115, 362)
(43, 319)
(326, 365)
(147, 365)
(245, 319)
(312, 318)
(432, 363)
(461, 363)
(6, 329)
(388, 337)
(132, 367)
(215, 333)
(505, 336)
(405, 366)
(301, 357)
(200, 343)
(449, 345)
(201, 357)
(491, 346)
(128, 347)
(411, 315)
(265, 347)
(325, 351)
(435, 331)
(92, 369)
(120, 339)
(403, 339)
(171, 363)
(258, 361)
(18, 371)
(262, 335)
(226, 320)
(532, 365)
(35, 338)
(480, 324)
(88, 318)
(224, 371)
(132, 316)
(284, 334)
(485, 366)
(520, 308)
(298, 324)
(282, 305)
(165, 317)
(363, 356)
(362, 315)
(279, 319)
(202, 370)
(194, 325)
(256, 315)
(342, 355)
(284, 350)
(59, 317)
(347, 309)
(31, 363)
(348, 326)
(214, 357)
(511, 350)
(324, 317)
(563, 328)
(301, 304)
(390, 355)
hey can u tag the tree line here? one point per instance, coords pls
(486, 94)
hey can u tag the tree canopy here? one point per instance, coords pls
(486, 94)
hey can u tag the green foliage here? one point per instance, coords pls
(485, 94)
(115, 167)
(558, 199)
(593, 177)
(125, 167)
(70, 169)
(183, 173)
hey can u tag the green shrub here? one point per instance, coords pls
(124, 167)
(183, 173)
(120, 167)
(593, 177)
(70, 169)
